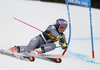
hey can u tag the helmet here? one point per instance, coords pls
(61, 22)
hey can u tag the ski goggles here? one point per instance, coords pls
(62, 27)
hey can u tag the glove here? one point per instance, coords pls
(64, 46)
(58, 37)
(63, 43)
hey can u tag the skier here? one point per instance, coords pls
(45, 42)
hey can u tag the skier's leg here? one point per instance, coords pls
(45, 48)
(33, 44)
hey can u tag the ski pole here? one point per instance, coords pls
(64, 52)
(58, 46)
(27, 24)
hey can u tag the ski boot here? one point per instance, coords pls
(38, 51)
(14, 49)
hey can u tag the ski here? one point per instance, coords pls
(56, 60)
(30, 57)
(51, 59)
(27, 58)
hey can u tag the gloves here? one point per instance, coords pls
(62, 42)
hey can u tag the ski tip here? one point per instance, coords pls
(58, 60)
(31, 58)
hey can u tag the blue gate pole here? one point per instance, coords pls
(66, 1)
(69, 21)
(91, 29)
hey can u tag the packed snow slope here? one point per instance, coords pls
(41, 14)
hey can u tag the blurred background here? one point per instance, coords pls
(94, 3)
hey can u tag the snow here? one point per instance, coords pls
(41, 14)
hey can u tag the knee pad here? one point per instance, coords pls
(48, 47)
(43, 50)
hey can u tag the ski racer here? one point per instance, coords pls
(45, 42)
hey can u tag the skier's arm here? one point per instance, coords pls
(53, 30)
